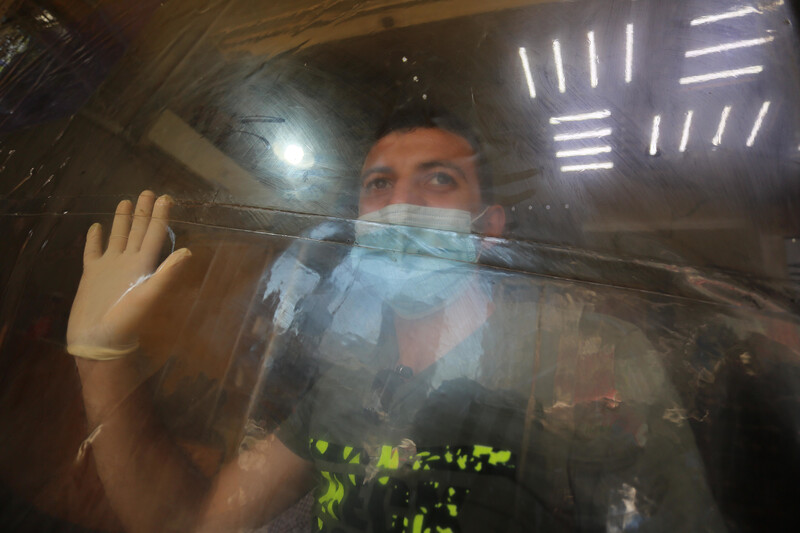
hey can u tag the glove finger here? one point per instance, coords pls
(157, 230)
(141, 220)
(120, 228)
(94, 243)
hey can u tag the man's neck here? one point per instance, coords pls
(422, 341)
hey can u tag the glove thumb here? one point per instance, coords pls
(169, 268)
(165, 273)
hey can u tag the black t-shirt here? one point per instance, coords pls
(393, 452)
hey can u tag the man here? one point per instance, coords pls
(438, 399)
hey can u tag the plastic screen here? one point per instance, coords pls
(399, 266)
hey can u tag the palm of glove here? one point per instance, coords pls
(118, 287)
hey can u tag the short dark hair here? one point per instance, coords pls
(409, 118)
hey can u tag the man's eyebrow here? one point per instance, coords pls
(375, 170)
(427, 165)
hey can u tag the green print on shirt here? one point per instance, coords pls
(435, 504)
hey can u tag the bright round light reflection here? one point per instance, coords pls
(294, 154)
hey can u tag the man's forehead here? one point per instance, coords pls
(420, 145)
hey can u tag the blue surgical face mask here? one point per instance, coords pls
(416, 258)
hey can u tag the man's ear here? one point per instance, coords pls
(494, 221)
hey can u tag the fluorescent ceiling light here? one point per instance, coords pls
(629, 53)
(293, 154)
(729, 46)
(590, 166)
(593, 60)
(722, 74)
(723, 121)
(523, 55)
(687, 125)
(594, 150)
(594, 134)
(562, 82)
(723, 16)
(582, 116)
(654, 135)
(757, 126)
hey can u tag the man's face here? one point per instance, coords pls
(426, 166)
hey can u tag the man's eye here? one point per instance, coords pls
(441, 178)
(376, 184)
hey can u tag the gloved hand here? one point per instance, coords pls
(118, 288)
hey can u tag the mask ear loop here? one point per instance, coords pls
(479, 215)
(472, 223)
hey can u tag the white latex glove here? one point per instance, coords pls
(118, 288)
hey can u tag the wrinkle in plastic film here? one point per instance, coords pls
(620, 355)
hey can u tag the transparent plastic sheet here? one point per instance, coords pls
(623, 358)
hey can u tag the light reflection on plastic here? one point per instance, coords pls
(687, 126)
(654, 135)
(723, 121)
(293, 154)
(757, 126)
(46, 18)
(562, 82)
(729, 46)
(722, 74)
(593, 60)
(605, 113)
(594, 150)
(594, 134)
(723, 16)
(526, 67)
(587, 134)
(629, 53)
(589, 166)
